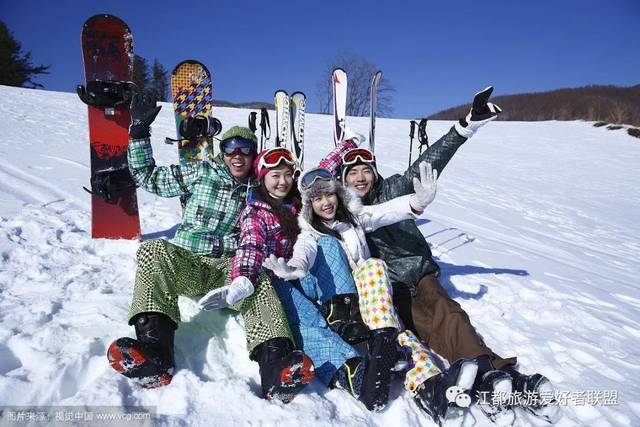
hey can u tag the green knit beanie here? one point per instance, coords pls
(240, 132)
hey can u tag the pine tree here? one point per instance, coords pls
(140, 73)
(160, 81)
(15, 66)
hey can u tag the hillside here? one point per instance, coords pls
(535, 226)
(611, 104)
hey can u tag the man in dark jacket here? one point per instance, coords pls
(422, 302)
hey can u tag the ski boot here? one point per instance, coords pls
(493, 392)
(536, 395)
(446, 396)
(350, 376)
(283, 371)
(149, 359)
(380, 361)
(338, 315)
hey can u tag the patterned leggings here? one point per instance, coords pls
(377, 311)
(166, 271)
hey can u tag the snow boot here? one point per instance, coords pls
(338, 314)
(380, 361)
(493, 390)
(350, 376)
(447, 395)
(149, 358)
(536, 395)
(283, 370)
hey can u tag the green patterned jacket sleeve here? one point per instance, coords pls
(164, 181)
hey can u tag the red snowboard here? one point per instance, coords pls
(107, 50)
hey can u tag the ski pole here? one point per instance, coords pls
(252, 121)
(264, 125)
(412, 131)
(423, 139)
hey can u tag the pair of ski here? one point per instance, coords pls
(290, 116)
(339, 86)
(107, 50)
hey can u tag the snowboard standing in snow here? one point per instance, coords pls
(107, 51)
(193, 105)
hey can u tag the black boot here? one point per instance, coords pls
(283, 370)
(493, 389)
(537, 394)
(148, 359)
(380, 360)
(338, 314)
(447, 395)
(350, 376)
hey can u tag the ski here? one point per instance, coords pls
(339, 83)
(107, 52)
(298, 108)
(283, 120)
(372, 109)
(193, 99)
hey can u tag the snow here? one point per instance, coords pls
(535, 226)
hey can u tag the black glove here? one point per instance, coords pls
(481, 113)
(143, 113)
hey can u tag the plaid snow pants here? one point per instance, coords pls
(166, 271)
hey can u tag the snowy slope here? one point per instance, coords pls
(535, 225)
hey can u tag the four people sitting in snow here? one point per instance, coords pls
(317, 271)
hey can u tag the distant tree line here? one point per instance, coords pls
(154, 79)
(611, 104)
(15, 65)
(360, 71)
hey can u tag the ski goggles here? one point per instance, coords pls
(358, 155)
(232, 146)
(274, 156)
(312, 175)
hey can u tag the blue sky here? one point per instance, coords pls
(437, 54)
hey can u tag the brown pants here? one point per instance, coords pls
(442, 323)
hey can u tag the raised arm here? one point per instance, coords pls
(164, 181)
(333, 161)
(440, 153)
(404, 207)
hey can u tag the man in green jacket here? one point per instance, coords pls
(423, 304)
(197, 260)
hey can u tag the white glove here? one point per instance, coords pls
(425, 188)
(239, 289)
(358, 138)
(283, 270)
(481, 113)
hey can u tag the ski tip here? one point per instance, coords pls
(280, 91)
(338, 69)
(298, 93)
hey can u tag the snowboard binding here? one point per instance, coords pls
(194, 128)
(110, 183)
(106, 93)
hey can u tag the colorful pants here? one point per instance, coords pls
(377, 310)
(166, 271)
(329, 276)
